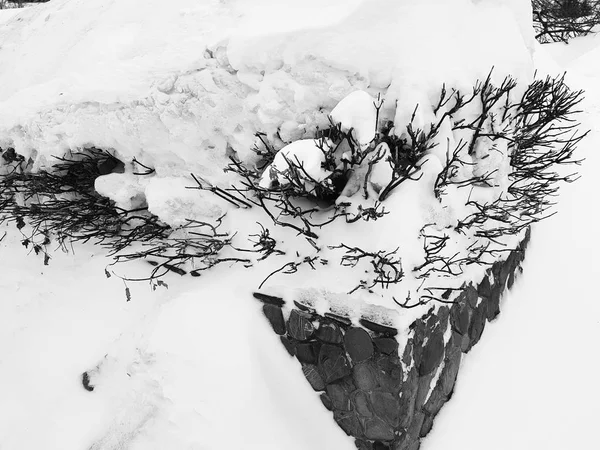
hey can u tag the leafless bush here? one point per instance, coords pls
(562, 20)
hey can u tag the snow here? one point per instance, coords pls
(180, 86)
(307, 156)
(357, 112)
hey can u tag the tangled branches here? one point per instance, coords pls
(386, 265)
(61, 205)
(561, 20)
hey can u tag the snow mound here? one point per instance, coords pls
(305, 155)
(357, 112)
(181, 85)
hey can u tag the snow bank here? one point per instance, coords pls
(176, 84)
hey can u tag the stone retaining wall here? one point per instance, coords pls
(384, 396)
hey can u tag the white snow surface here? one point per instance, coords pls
(357, 112)
(180, 86)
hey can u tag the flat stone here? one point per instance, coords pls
(449, 373)
(308, 352)
(485, 288)
(275, 316)
(358, 344)
(300, 326)
(360, 400)
(424, 384)
(326, 402)
(289, 345)
(340, 397)
(333, 363)
(389, 373)
(365, 376)
(330, 333)
(304, 308)
(378, 328)
(314, 378)
(386, 345)
(459, 318)
(471, 295)
(345, 321)
(511, 280)
(409, 395)
(377, 430)
(277, 301)
(493, 302)
(432, 353)
(363, 445)
(477, 324)
(387, 407)
(407, 355)
(427, 425)
(348, 421)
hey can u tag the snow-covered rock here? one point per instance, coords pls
(357, 112)
(306, 156)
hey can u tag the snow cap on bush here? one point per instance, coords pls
(357, 112)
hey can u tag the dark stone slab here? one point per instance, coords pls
(471, 295)
(330, 333)
(460, 316)
(417, 341)
(433, 353)
(360, 401)
(339, 395)
(377, 430)
(386, 345)
(477, 324)
(407, 356)
(339, 319)
(308, 352)
(424, 385)
(270, 299)
(275, 316)
(387, 407)
(389, 373)
(414, 430)
(363, 445)
(449, 373)
(348, 421)
(304, 308)
(333, 363)
(365, 376)
(326, 402)
(427, 425)
(314, 378)
(511, 280)
(409, 395)
(493, 302)
(289, 345)
(485, 288)
(300, 326)
(358, 344)
(378, 328)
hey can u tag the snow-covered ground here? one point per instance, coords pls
(195, 366)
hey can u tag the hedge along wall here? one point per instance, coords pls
(384, 396)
